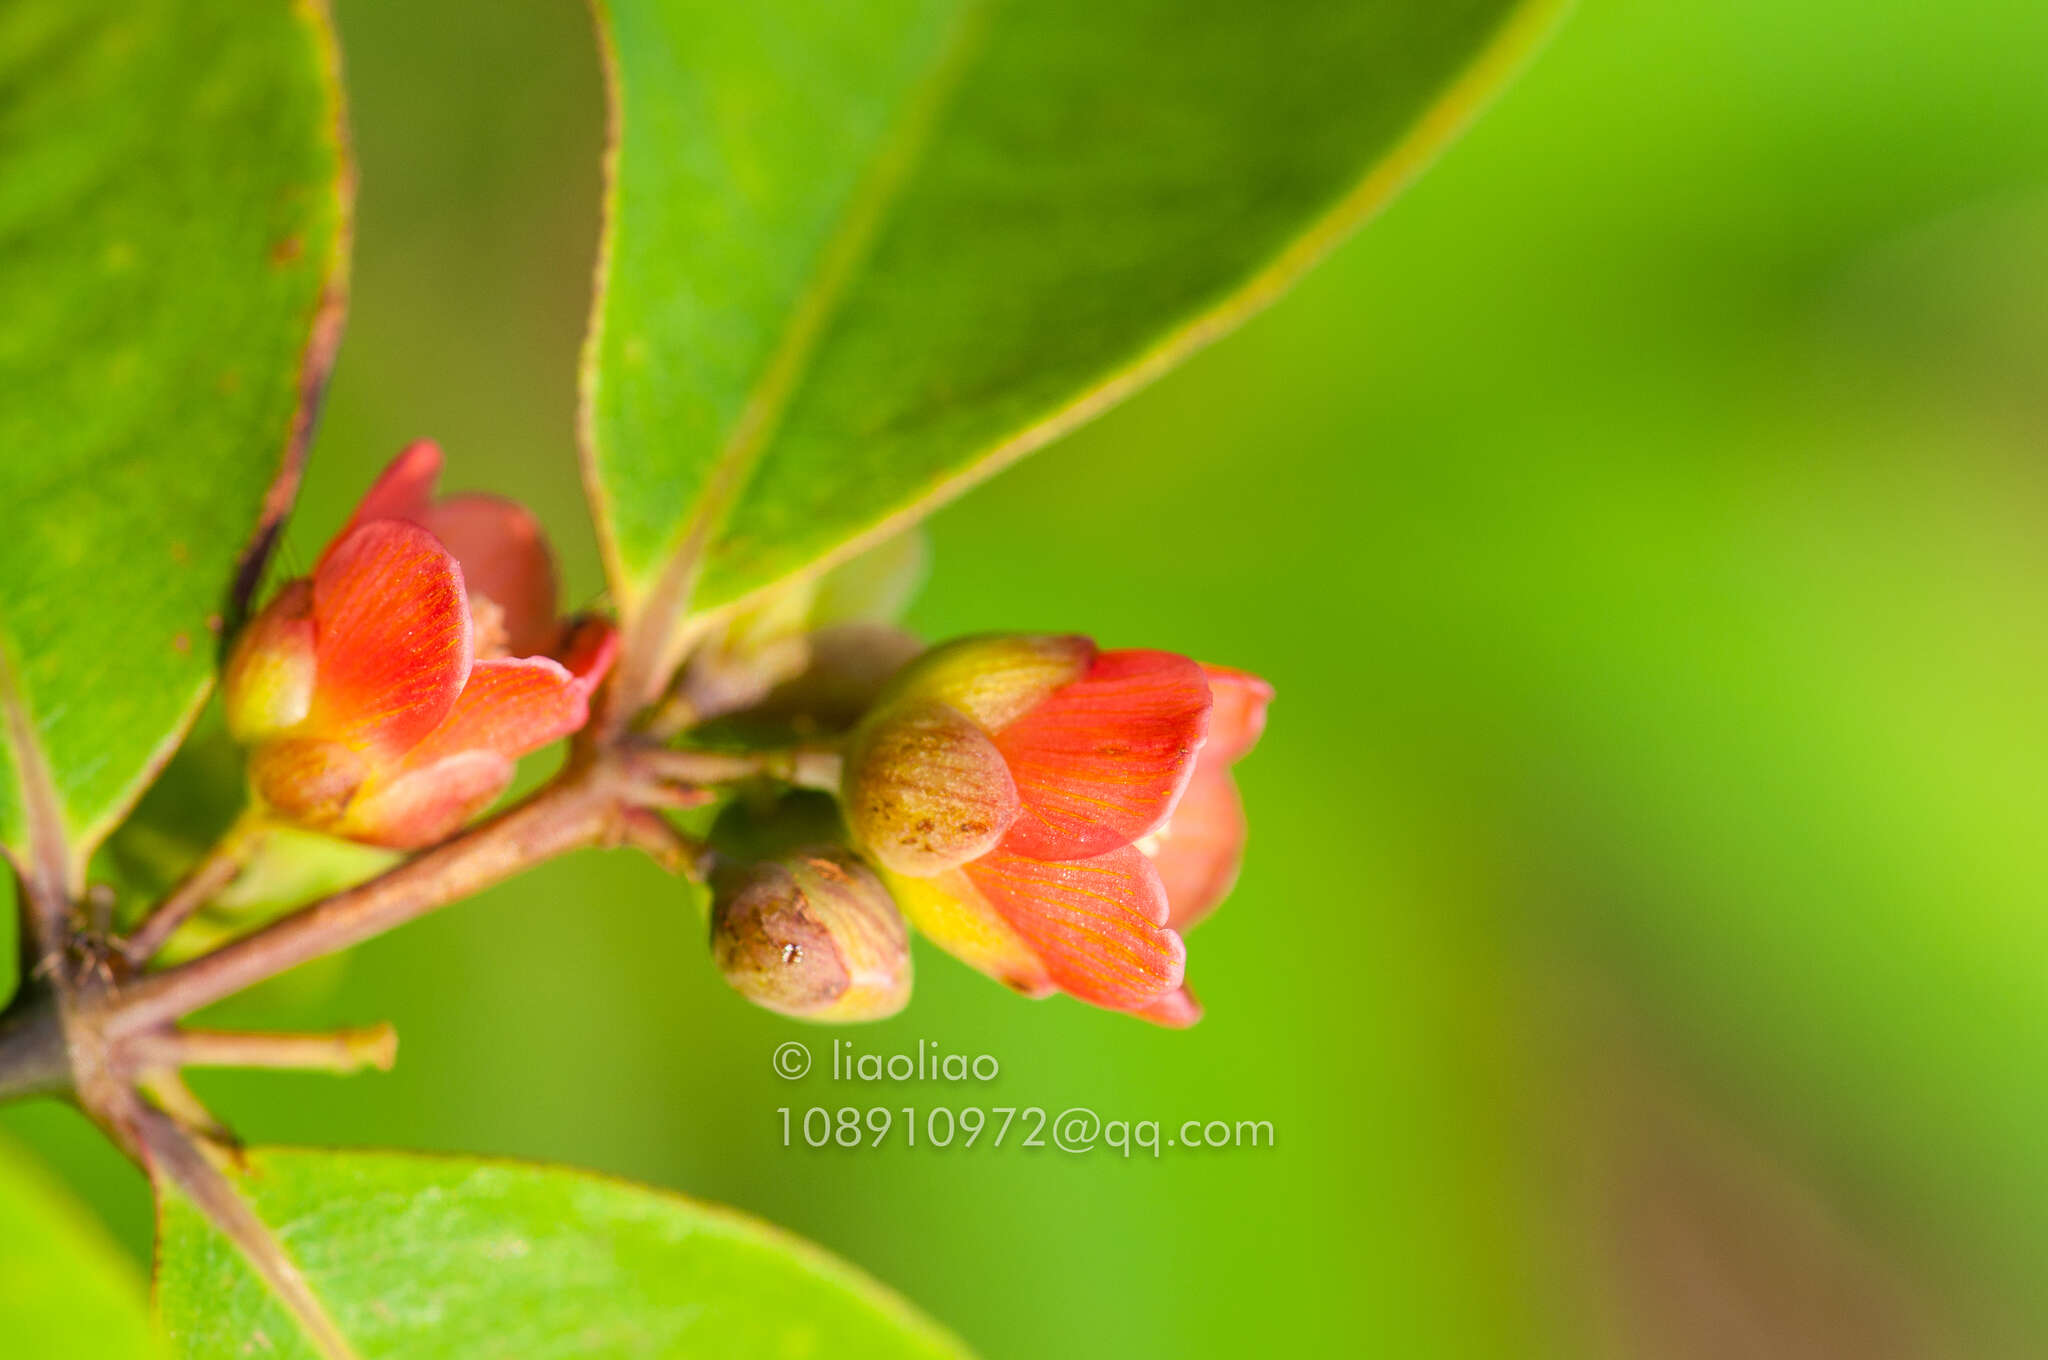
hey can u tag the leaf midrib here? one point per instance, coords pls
(837, 264)
(1439, 121)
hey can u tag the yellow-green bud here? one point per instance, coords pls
(812, 934)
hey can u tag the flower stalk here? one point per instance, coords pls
(206, 881)
(340, 1051)
(583, 807)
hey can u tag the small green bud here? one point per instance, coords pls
(812, 934)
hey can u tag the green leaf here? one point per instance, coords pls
(421, 1257)
(174, 220)
(856, 257)
(66, 1291)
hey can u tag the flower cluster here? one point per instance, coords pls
(385, 697)
(1053, 814)
(1056, 815)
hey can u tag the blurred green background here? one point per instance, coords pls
(1643, 942)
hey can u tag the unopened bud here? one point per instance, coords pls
(814, 935)
(268, 684)
(926, 790)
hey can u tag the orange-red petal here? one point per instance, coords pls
(505, 559)
(1199, 849)
(427, 804)
(1100, 761)
(405, 489)
(504, 554)
(393, 637)
(1238, 715)
(510, 706)
(1178, 1009)
(1098, 925)
(589, 646)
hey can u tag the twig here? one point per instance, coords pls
(212, 874)
(708, 767)
(581, 808)
(165, 1088)
(649, 831)
(815, 767)
(340, 1051)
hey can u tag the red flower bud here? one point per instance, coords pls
(376, 694)
(507, 570)
(1055, 815)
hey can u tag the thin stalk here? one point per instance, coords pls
(230, 854)
(581, 809)
(814, 767)
(339, 1052)
(649, 831)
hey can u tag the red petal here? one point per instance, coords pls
(505, 559)
(1101, 761)
(1239, 714)
(429, 804)
(393, 637)
(1099, 925)
(589, 646)
(1175, 1010)
(1200, 847)
(406, 488)
(510, 706)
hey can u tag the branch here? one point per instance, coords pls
(33, 1059)
(582, 807)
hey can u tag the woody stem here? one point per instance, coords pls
(606, 795)
(33, 1057)
(582, 807)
